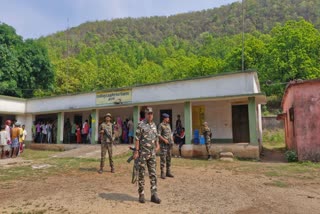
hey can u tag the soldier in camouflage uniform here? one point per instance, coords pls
(207, 136)
(165, 135)
(107, 138)
(146, 145)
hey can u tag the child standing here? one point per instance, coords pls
(3, 141)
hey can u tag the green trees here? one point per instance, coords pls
(24, 66)
(292, 53)
(9, 63)
(127, 52)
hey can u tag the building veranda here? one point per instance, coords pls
(230, 103)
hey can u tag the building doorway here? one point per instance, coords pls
(240, 123)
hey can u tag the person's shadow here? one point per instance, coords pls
(117, 197)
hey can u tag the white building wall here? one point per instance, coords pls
(12, 105)
(217, 86)
(218, 114)
(228, 85)
(60, 103)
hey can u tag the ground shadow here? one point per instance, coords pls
(92, 169)
(117, 197)
(273, 156)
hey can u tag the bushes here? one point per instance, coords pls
(291, 156)
(273, 139)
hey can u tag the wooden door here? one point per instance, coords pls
(240, 123)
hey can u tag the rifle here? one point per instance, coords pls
(109, 137)
(135, 169)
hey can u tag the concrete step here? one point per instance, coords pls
(226, 155)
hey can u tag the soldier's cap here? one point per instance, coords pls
(165, 115)
(148, 110)
(205, 123)
(108, 115)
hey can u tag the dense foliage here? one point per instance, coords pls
(24, 65)
(282, 42)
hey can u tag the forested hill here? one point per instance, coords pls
(282, 42)
(260, 15)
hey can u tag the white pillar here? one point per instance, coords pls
(259, 119)
(30, 118)
(21, 118)
(97, 116)
(60, 127)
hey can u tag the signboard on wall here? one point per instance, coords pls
(114, 97)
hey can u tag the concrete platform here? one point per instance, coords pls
(239, 150)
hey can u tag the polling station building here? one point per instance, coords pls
(229, 102)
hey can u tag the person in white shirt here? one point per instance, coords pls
(3, 141)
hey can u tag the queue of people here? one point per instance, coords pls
(12, 136)
(43, 132)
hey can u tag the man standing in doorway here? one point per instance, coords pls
(146, 145)
(166, 141)
(207, 134)
(106, 131)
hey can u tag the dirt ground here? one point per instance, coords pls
(199, 186)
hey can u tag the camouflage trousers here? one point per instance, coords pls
(208, 145)
(150, 162)
(104, 148)
(165, 156)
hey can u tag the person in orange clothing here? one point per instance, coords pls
(15, 139)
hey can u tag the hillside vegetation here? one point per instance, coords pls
(282, 42)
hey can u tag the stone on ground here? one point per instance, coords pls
(227, 159)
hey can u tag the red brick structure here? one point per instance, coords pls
(301, 115)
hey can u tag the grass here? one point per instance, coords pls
(278, 183)
(274, 140)
(304, 170)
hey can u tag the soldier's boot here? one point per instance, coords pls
(141, 198)
(209, 157)
(2, 155)
(100, 170)
(168, 174)
(163, 176)
(155, 199)
(112, 170)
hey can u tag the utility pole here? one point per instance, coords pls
(67, 35)
(243, 29)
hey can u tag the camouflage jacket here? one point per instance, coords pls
(109, 127)
(207, 134)
(164, 130)
(147, 135)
